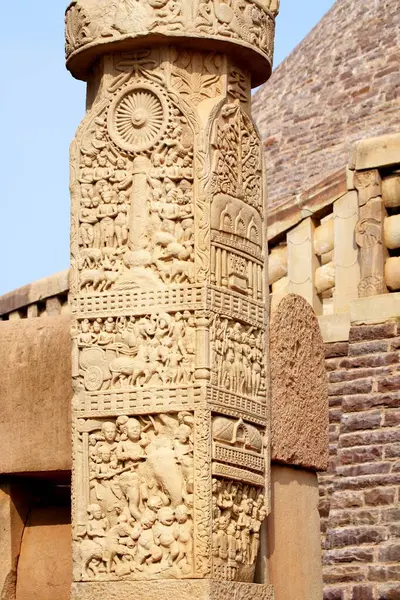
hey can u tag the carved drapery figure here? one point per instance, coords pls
(168, 293)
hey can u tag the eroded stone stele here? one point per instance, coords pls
(168, 293)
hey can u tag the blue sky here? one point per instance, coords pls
(41, 106)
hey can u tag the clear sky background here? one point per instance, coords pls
(41, 106)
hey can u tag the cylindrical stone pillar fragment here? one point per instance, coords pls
(168, 292)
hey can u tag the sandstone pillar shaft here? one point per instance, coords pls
(168, 293)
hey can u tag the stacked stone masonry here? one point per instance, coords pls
(359, 503)
(339, 85)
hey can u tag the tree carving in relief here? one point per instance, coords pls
(196, 76)
(237, 257)
(139, 509)
(120, 352)
(134, 185)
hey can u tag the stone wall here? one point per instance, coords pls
(339, 85)
(360, 493)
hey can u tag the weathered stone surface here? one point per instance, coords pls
(392, 273)
(292, 530)
(333, 593)
(391, 190)
(372, 332)
(168, 296)
(362, 592)
(13, 513)
(29, 295)
(350, 93)
(299, 409)
(376, 152)
(45, 565)
(170, 590)
(36, 393)
(336, 349)
(380, 497)
(390, 591)
(377, 309)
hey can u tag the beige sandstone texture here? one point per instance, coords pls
(13, 513)
(294, 547)
(35, 391)
(172, 590)
(45, 566)
(299, 398)
(168, 296)
(339, 85)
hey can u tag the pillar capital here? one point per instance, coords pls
(243, 29)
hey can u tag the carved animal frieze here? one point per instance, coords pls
(123, 352)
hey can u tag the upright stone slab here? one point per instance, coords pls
(168, 293)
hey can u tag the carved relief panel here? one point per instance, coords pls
(134, 497)
(237, 254)
(91, 23)
(133, 180)
(239, 502)
(169, 346)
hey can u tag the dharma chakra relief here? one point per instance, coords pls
(138, 117)
(136, 222)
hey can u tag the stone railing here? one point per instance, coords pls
(43, 298)
(341, 241)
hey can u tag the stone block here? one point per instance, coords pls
(381, 151)
(294, 535)
(335, 328)
(299, 401)
(325, 277)
(391, 190)
(347, 277)
(36, 393)
(392, 272)
(188, 589)
(376, 310)
(362, 592)
(391, 232)
(373, 332)
(13, 512)
(277, 264)
(391, 591)
(324, 238)
(390, 553)
(45, 563)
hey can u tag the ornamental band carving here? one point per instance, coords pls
(89, 23)
(168, 291)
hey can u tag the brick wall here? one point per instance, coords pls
(339, 85)
(360, 502)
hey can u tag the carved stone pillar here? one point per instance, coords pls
(168, 292)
